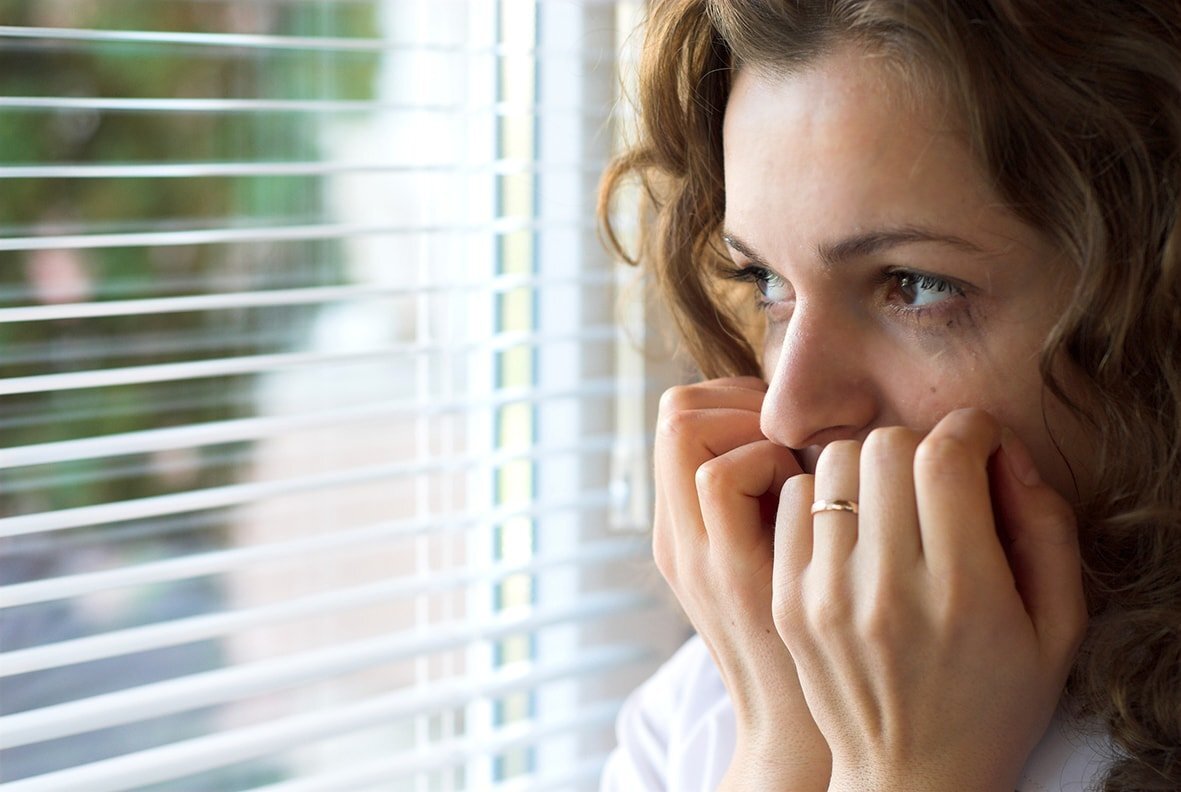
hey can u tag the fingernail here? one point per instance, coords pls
(1019, 459)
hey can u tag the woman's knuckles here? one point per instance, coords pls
(676, 427)
(973, 424)
(718, 477)
(962, 603)
(827, 611)
(946, 459)
(787, 608)
(887, 617)
(889, 445)
(687, 437)
(886, 629)
(695, 571)
(1042, 515)
(702, 395)
(679, 398)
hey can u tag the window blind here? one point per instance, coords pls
(322, 454)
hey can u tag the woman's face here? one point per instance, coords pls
(896, 286)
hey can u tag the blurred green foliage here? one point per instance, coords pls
(34, 207)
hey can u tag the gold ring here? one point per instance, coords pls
(834, 505)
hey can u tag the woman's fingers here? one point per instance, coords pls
(912, 645)
(699, 422)
(733, 489)
(718, 481)
(888, 529)
(1040, 530)
(793, 530)
(952, 491)
(696, 423)
(691, 437)
(685, 441)
(739, 393)
(837, 488)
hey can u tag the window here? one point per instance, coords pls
(322, 455)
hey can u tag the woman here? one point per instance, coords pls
(929, 534)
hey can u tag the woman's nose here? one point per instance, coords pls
(820, 384)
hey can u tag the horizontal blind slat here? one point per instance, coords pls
(222, 561)
(240, 494)
(191, 170)
(584, 773)
(314, 295)
(180, 631)
(171, 372)
(262, 106)
(228, 748)
(309, 44)
(258, 364)
(228, 40)
(268, 676)
(453, 753)
(253, 429)
(287, 233)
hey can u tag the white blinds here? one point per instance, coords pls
(317, 432)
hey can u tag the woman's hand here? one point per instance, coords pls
(932, 636)
(717, 484)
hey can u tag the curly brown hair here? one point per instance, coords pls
(1073, 107)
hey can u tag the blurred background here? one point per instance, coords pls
(324, 417)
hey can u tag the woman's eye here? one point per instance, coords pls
(918, 290)
(771, 287)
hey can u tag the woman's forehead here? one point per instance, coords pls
(832, 151)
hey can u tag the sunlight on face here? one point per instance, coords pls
(896, 287)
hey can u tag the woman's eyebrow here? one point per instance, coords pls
(736, 242)
(862, 244)
(871, 242)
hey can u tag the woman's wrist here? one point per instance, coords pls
(780, 761)
(913, 779)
